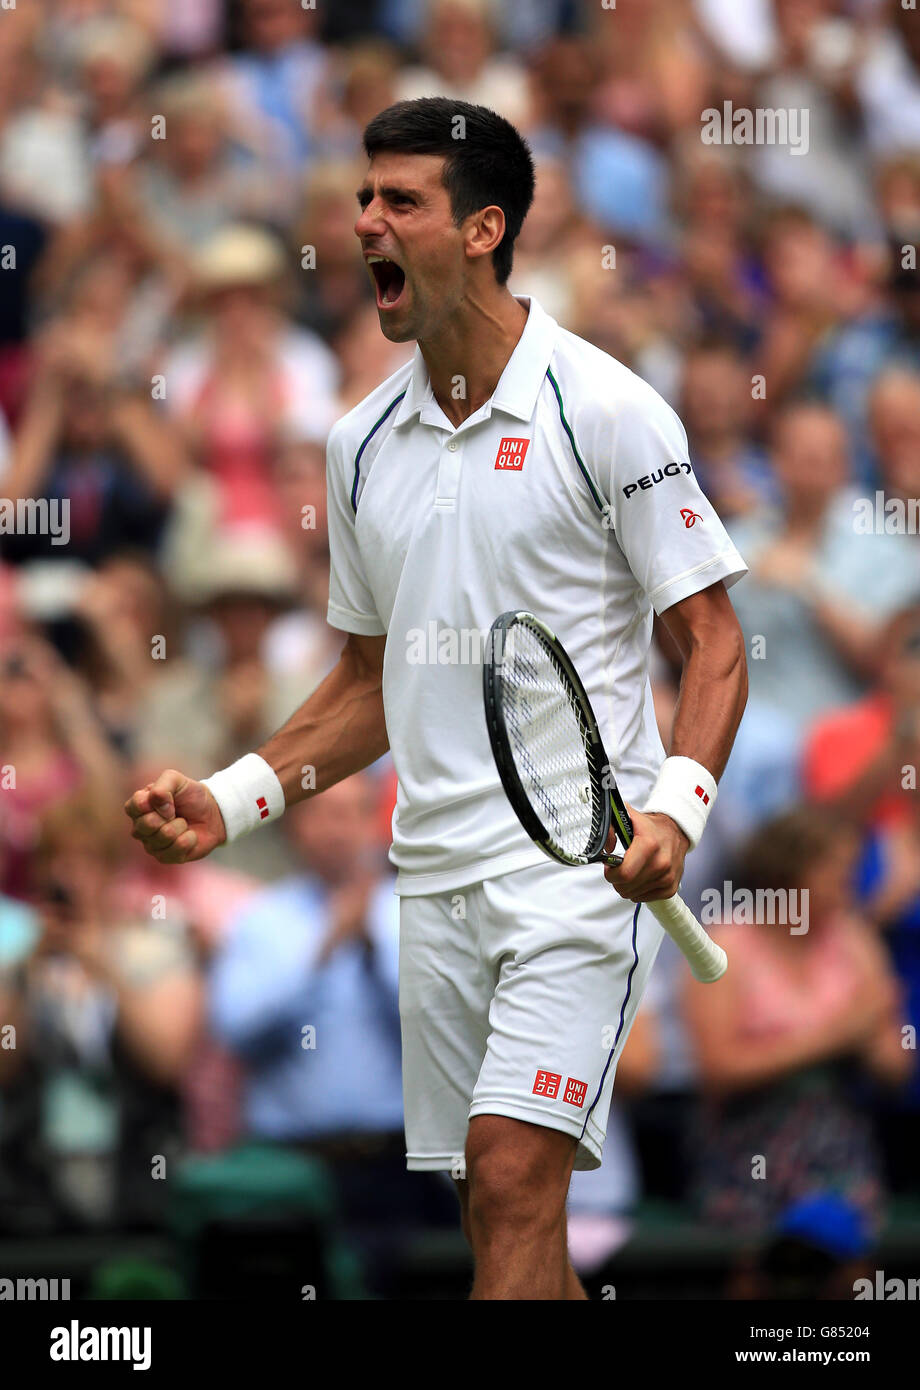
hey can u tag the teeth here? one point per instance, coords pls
(374, 259)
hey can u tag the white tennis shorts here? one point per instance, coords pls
(516, 996)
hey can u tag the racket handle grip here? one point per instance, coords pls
(705, 957)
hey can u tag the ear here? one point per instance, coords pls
(484, 232)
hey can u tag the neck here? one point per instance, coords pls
(470, 353)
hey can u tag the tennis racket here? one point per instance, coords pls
(555, 772)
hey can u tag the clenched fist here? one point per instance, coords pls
(654, 863)
(175, 819)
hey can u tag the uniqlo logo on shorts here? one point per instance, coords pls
(547, 1084)
(511, 453)
(575, 1092)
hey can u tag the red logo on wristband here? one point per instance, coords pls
(704, 796)
(264, 812)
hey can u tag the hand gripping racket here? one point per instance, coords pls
(554, 769)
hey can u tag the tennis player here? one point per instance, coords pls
(510, 464)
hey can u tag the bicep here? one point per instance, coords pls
(704, 619)
(366, 654)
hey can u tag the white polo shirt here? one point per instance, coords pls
(570, 494)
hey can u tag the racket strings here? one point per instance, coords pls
(550, 742)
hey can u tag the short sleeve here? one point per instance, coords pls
(351, 603)
(635, 448)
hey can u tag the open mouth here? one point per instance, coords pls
(390, 280)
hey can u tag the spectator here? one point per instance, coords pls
(272, 84)
(200, 906)
(301, 638)
(250, 378)
(654, 71)
(459, 60)
(336, 283)
(818, 589)
(551, 237)
(212, 703)
(171, 361)
(114, 56)
(305, 991)
(811, 75)
(191, 184)
(794, 1007)
(629, 312)
(318, 950)
(817, 1249)
(716, 409)
(360, 82)
(106, 1009)
(621, 181)
(365, 361)
(888, 82)
(44, 161)
(855, 757)
(810, 287)
(894, 424)
(712, 206)
(126, 631)
(94, 444)
(53, 746)
(862, 761)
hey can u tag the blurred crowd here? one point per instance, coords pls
(183, 315)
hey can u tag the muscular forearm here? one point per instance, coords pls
(336, 732)
(713, 693)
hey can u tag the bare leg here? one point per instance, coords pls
(513, 1205)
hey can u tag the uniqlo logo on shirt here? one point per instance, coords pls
(575, 1092)
(511, 453)
(547, 1084)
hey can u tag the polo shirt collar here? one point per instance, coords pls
(518, 386)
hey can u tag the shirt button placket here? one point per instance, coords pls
(449, 474)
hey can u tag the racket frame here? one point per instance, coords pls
(707, 960)
(611, 805)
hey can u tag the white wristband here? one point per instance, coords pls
(686, 792)
(248, 793)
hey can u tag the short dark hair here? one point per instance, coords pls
(491, 165)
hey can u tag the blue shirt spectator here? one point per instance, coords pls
(275, 977)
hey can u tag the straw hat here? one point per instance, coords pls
(249, 561)
(239, 255)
